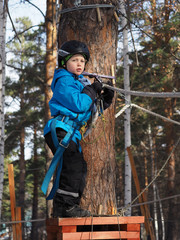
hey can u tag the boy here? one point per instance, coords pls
(71, 106)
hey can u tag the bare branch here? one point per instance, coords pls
(35, 7)
(11, 21)
(17, 34)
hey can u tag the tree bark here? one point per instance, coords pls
(167, 67)
(35, 189)
(3, 17)
(22, 165)
(127, 114)
(100, 35)
(172, 232)
(51, 54)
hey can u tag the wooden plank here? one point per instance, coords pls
(66, 228)
(134, 238)
(133, 227)
(12, 197)
(69, 229)
(95, 221)
(100, 235)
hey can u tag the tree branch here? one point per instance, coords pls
(17, 34)
(35, 7)
(11, 20)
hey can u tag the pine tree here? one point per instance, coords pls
(28, 89)
(100, 35)
(51, 54)
(158, 31)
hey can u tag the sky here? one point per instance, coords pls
(18, 8)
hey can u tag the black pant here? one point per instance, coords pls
(74, 170)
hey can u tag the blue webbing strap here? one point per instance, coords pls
(52, 167)
(58, 158)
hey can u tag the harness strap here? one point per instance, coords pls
(58, 157)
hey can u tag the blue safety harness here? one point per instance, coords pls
(58, 157)
(60, 148)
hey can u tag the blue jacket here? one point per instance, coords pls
(69, 100)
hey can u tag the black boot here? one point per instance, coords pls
(75, 211)
(70, 211)
(66, 208)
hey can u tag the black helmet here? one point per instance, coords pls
(70, 48)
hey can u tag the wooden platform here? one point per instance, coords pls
(111, 227)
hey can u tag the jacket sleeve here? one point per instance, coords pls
(69, 93)
(90, 92)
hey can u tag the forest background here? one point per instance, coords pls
(154, 67)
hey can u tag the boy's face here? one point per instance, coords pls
(76, 64)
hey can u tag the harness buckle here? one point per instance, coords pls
(62, 145)
(63, 118)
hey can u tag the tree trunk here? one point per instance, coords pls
(161, 214)
(170, 104)
(51, 54)
(127, 115)
(153, 171)
(172, 213)
(35, 189)
(22, 165)
(3, 15)
(100, 35)
(167, 69)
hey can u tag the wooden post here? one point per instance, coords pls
(144, 208)
(18, 225)
(12, 198)
(15, 211)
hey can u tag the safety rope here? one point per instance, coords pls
(117, 215)
(24, 221)
(124, 209)
(145, 110)
(85, 126)
(144, 94)
(82, 7)
(153, 201)
(92, 164)
(155, 114)
(122, 110)
(83, 130)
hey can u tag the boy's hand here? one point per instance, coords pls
(92, 90)
(97, 86)
(107, 96)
